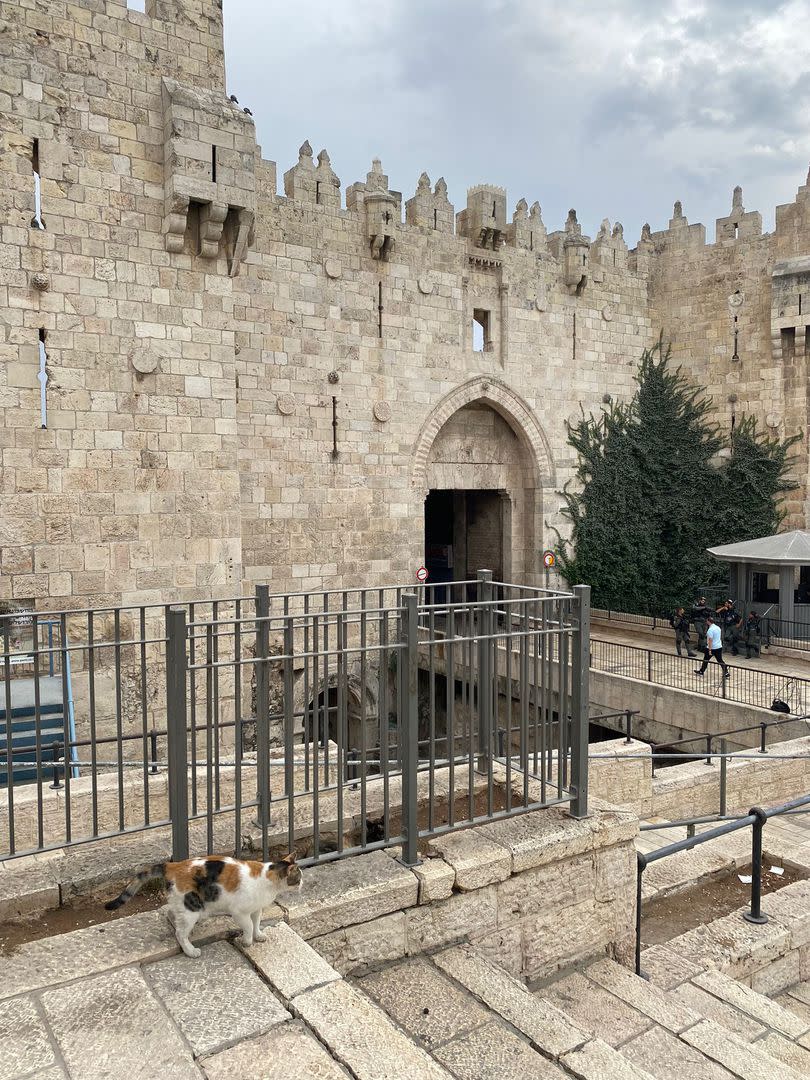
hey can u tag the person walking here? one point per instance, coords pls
(680, 624)
(698, 615)
(714, 648)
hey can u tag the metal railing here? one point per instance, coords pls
(745, 686)
(774, 631)
(756, 818)
(330, 722)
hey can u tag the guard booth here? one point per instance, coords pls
(772, 575)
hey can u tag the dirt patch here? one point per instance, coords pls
(85, 911)
(672, 915)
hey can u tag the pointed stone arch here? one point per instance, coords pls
(503, 400)
(508, 534)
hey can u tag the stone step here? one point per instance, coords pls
(756, 1006)
(796, 1000)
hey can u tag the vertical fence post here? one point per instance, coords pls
(289, 733)
(649, 665)
(763, 730)
(629, 722)
(580, 702)
(641, 864)
(409, 727)
(755, 914)
(723, 769)
(176, 734)
(263, 713)
(484, 681)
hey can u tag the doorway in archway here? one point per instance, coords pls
(465, 531)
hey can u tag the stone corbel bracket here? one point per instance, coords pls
(209, 156)
(790, 302)
(382, 212)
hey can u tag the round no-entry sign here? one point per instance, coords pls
(549, 559)
(422, 575)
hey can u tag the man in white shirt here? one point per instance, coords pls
(714, 648)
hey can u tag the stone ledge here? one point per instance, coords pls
(349, 891)
(362, 1037)
(742, 1059)
(759, 1008)
(476, 860)
(546, 1027)
(598, 1061)
(289, 963)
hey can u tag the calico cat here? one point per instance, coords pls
(199, 888)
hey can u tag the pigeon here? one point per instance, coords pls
(234, 99)
(248, 112)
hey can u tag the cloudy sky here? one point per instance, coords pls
(615, 108)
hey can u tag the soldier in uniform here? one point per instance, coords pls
(698, 615)
(680, 624)
(752, 636)
(730, 621)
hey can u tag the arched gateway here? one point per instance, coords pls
(482, 462)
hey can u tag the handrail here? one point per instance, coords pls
(756, 818)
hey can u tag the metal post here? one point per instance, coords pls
(629, 736)
(485, 622)
(580, 702)
(723, 769)
(410, 729)
(289, 733)
(649, 664)
(762, 733)
(176, 735)
(263, 713)
(641, 863)
(708, 749)
(755, 914)
(57, 753)
(153, 737)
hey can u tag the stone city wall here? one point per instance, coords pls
(242, 385)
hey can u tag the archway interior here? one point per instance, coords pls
(464, 533)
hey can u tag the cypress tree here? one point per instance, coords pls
(650, 493)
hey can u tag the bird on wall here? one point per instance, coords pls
(234, 99)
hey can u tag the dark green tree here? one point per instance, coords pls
(652, 492)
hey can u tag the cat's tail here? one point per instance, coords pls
(154, 873)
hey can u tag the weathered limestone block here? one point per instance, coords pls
(290, 1045)
(357, 948)
(476, 860)
(436, 880)
(289, 963)
(351, 891)
(445, 921)
(216, 1000)
(360, 1035)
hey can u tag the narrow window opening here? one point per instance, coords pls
(214, 163)
(574, 338)
(736, 230)
(800, 303)
(481, 330)
(493, 209)
(435, 219)
(379, 310)
(42, 376)
(317, 191)
(788, 343)
(584, 259)
(614, 258)
(36, 220)
(531, 241)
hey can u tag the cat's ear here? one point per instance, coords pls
(289, 858)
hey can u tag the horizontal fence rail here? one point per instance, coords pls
(328, 723)
(746, 685)
(773, 630)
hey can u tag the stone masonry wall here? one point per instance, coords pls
(246, 386)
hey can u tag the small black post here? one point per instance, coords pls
(57, 753)
(153, 742)
(755, 914)
(708, 749)
(762, 732)
(641, 863)
(629, 736)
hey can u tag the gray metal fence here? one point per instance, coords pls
(746, 685)
(329, 722)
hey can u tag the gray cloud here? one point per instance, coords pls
(615, 108)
